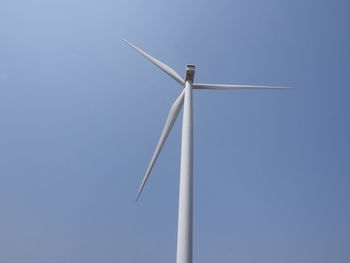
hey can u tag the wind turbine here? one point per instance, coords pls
(184, 234)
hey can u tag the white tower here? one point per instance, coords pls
(184, 234)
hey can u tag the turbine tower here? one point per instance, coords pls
(184, 234)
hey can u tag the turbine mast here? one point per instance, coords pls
(185, 217)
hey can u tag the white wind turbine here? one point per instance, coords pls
(184, 235)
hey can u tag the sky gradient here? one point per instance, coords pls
(81, 113)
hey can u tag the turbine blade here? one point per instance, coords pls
(173, 113)
(225, 87)
(172, 73)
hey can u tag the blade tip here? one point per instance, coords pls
(287, 88)
(138, 196)
(123, 39)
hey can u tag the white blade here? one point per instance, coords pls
(172, 73)
(225, 86)
(174, 112)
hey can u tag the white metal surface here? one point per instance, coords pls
(184, 235)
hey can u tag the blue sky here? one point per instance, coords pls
(81, 113)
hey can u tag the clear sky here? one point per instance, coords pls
(81, 113)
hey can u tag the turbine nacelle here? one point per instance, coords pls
(190, 69)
